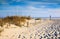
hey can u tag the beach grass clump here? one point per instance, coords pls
(1, 30)
(38, 19)
(1, 22)
(16, 20)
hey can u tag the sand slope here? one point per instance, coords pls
(44, 29)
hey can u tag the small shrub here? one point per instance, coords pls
(38, 19)
(1, 29)
(14, 20)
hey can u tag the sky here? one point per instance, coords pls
(33, 8)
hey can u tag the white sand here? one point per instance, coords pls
(31, 32)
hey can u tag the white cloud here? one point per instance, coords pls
(41, 4)
(16, 0)
(32, 11)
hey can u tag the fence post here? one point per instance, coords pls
(50, 17)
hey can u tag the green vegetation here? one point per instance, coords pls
(1, 29)
(14, 20)
(38, 19)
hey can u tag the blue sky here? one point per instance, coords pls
(34, 8)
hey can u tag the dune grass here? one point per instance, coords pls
(14, 20)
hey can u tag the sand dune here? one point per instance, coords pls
(43, 29)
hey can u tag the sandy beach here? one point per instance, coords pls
(43, 29)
